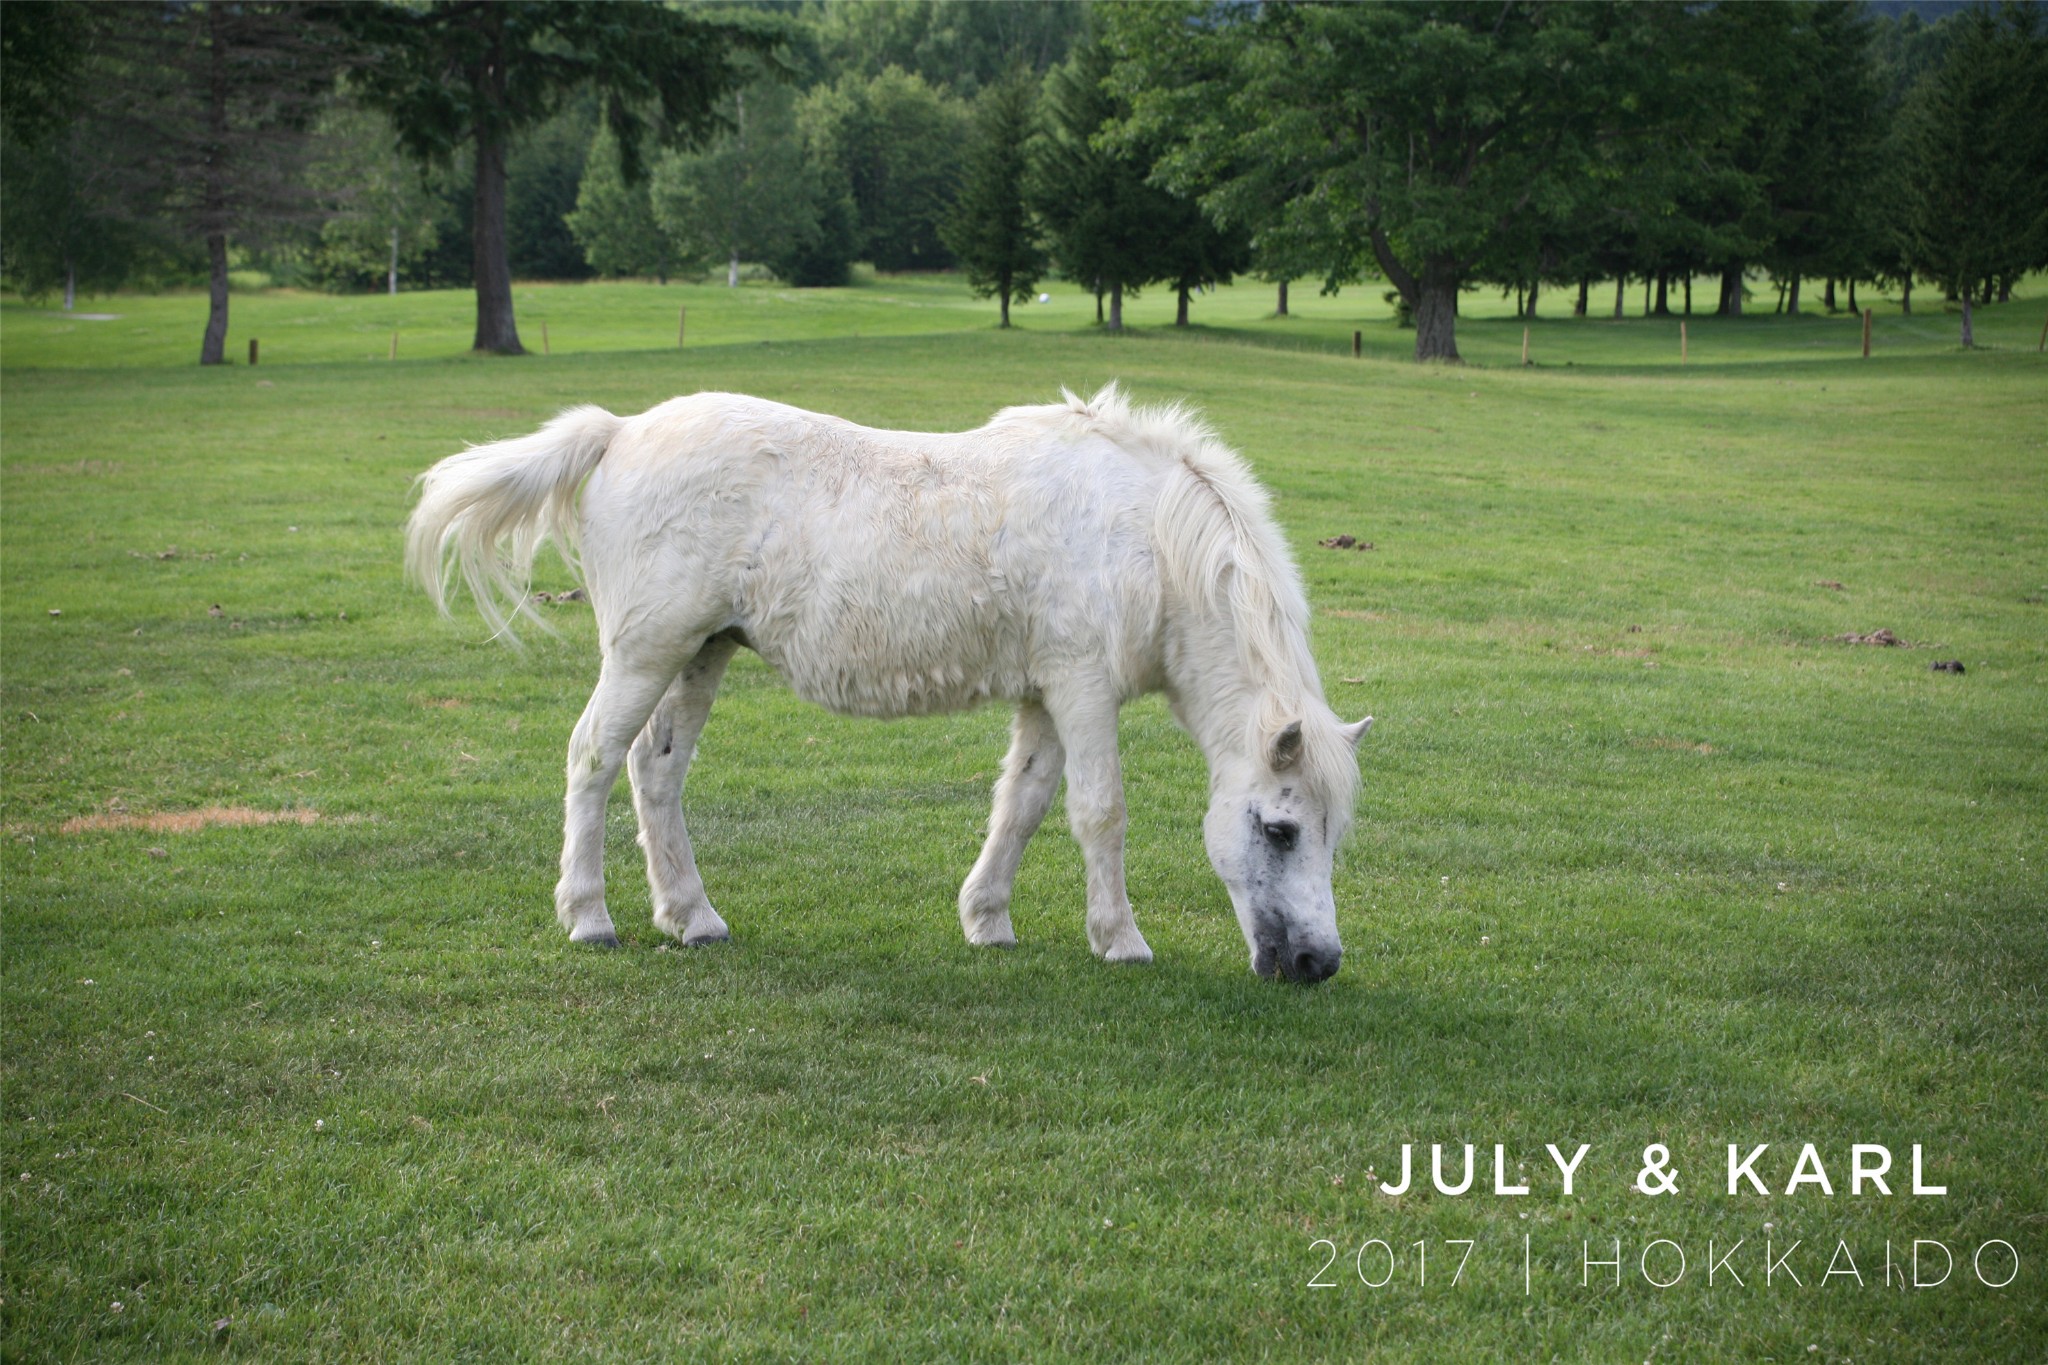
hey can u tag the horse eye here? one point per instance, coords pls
(1282, 834)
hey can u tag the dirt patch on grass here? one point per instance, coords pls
(185, 821)
(1667, 742)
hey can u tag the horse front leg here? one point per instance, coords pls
(659, 764)
(1095, 810)
(1031, 773)
(625, 696)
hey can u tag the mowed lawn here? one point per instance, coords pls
(1645, 854)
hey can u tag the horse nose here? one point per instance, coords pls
(1312, 965)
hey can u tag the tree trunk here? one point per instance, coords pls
(1281, 310)
(1003, 295)
(1098, 303)
(1906, 297)
(1534, 286)
(1969, 336)
(1646, 296)
(1663, 308)
(496, 331)
(1792, 297)
(1827, 297)
(1585, 286)
(1519, 305)
(1116, 307)
(393, 277)
(1180, 313)
(213, 192)
(1436, 315)
(1620, 295)
(1688, 291)
(2005, 289)
(70, 285)
(1852, 297)
(213, 349)
(1731, 291)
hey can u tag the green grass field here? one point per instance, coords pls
(1645, 855)
(297, 328)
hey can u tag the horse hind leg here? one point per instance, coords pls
(628, 687)
(1031, 773)
(659, 764)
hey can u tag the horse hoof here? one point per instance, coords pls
(705, 940)
(604, 940)
(982, 935)
(1129, 952)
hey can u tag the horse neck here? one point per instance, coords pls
(1211, 690)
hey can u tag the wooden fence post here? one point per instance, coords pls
(394, 345)
(1525, 345)
(252, 350)
(1681, 343)
(1357, 345)
(545, 349)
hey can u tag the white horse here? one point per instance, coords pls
(1066, 558)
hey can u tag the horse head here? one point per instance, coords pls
(1276, 816)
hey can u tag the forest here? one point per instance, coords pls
(1778, 156)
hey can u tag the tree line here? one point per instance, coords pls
(1445, 145)
(1428, 147)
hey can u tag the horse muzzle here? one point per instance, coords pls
(1304, 963)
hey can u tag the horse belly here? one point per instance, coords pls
(926, 648)
(867, 623)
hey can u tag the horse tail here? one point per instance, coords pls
(483, 513)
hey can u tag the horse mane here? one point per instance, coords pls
(1219, 550)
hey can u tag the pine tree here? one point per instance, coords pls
(213, 105)
(990, 227)
(453, 75)
(1101, 214)
(1976, 188)
(613, 221)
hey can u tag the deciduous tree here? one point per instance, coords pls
(1423, 133)
(895, 142)
(750, 194)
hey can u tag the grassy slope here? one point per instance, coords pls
(1734, 882)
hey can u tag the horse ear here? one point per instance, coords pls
(1286, 748)
(1354, 733)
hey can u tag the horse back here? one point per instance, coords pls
(883, 572)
